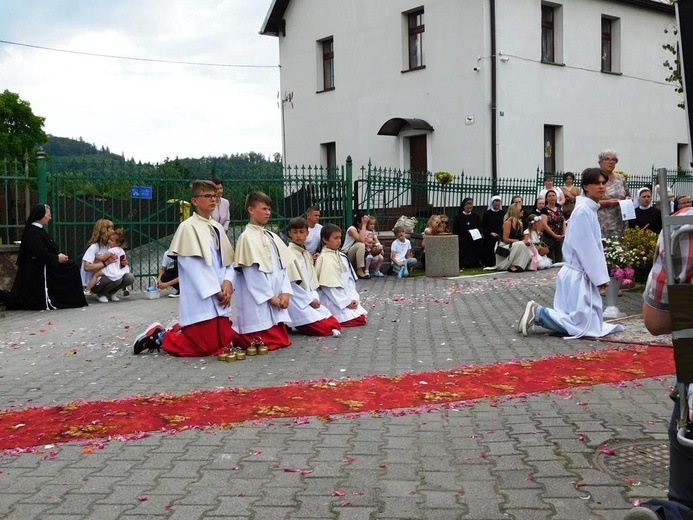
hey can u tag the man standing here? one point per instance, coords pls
(222, 213)
(655, 312)
(313, 241)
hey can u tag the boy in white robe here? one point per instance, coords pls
(577, 304)
(337, 280)
(206, 276)
(307, 314)
(264, 282)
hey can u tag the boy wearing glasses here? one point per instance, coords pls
(206, 274)
(264, 282)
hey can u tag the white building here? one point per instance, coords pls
(486, 86)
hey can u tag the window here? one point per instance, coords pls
(328, 152)
(552, 148)
(611, 56)
(606, 45)
(416, 29)
(327, 48)
(547, 34)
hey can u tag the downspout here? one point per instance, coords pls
(494, 87)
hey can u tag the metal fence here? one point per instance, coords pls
(150, 201)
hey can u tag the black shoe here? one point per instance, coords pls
(149, 339)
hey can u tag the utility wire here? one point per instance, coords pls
(140, 59)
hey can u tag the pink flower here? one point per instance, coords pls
(617, 273)
(626, 282)
(629, 272)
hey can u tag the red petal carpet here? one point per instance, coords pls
(83, 420)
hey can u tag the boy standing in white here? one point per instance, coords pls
(401, 254)
(263, 284)
(314, 228)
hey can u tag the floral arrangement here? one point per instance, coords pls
(643, 243)
(623, 173)
(444, 177)
(620, 259)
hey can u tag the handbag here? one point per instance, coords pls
(502, 249)
(407, 223)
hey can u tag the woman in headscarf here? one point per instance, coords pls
(46, 278)
(492, 227)
(646, 215)
(467, 227)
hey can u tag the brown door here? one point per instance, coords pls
(418, 165)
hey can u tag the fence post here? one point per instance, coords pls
(41, 176)
(350, 204)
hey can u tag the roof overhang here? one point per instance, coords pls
(274, 21)
(394, 126)
(653, 5)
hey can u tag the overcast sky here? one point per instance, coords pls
(148, 111)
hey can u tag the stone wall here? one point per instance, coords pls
(8, 265)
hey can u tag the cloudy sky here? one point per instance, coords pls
(147, 110)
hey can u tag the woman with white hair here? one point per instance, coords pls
(610, 220)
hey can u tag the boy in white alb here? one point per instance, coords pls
(264, 283)
(307, 314)
(337, 280)
(401, 254)
(206, 276)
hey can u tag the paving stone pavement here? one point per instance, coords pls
(524, 457)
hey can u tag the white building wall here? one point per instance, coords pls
(635, 112)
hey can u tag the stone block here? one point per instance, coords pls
(442, 255)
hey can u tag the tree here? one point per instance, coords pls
(20, 129)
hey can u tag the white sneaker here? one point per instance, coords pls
(528, 317)
(174, 295)
(102, 299)
(114, 298)
(336, 333)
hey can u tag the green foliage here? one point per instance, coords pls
(21, 131)
(673, 64)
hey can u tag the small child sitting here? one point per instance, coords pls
(539, 261)
(401, 255)
(337, 280)
(116, 270)
(374, 250)
(168, 275)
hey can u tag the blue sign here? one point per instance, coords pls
(141, 192)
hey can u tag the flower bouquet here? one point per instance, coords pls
(444, 177)
(620, 260)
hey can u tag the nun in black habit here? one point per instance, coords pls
(467, 227)
(46, 279)
(492, 226)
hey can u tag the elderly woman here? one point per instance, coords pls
(646, 215)
(46, 279)
(682, 201)
(97, 257)
(609, 213)
(467, 227)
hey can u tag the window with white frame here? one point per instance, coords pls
(326, 64)
(551, 33)
(415, 29)
(552, 148)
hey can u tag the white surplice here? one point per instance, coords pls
(300, 311)
(577, 305)
(337, 299)
(254, 289)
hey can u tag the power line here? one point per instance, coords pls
(132, 58)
